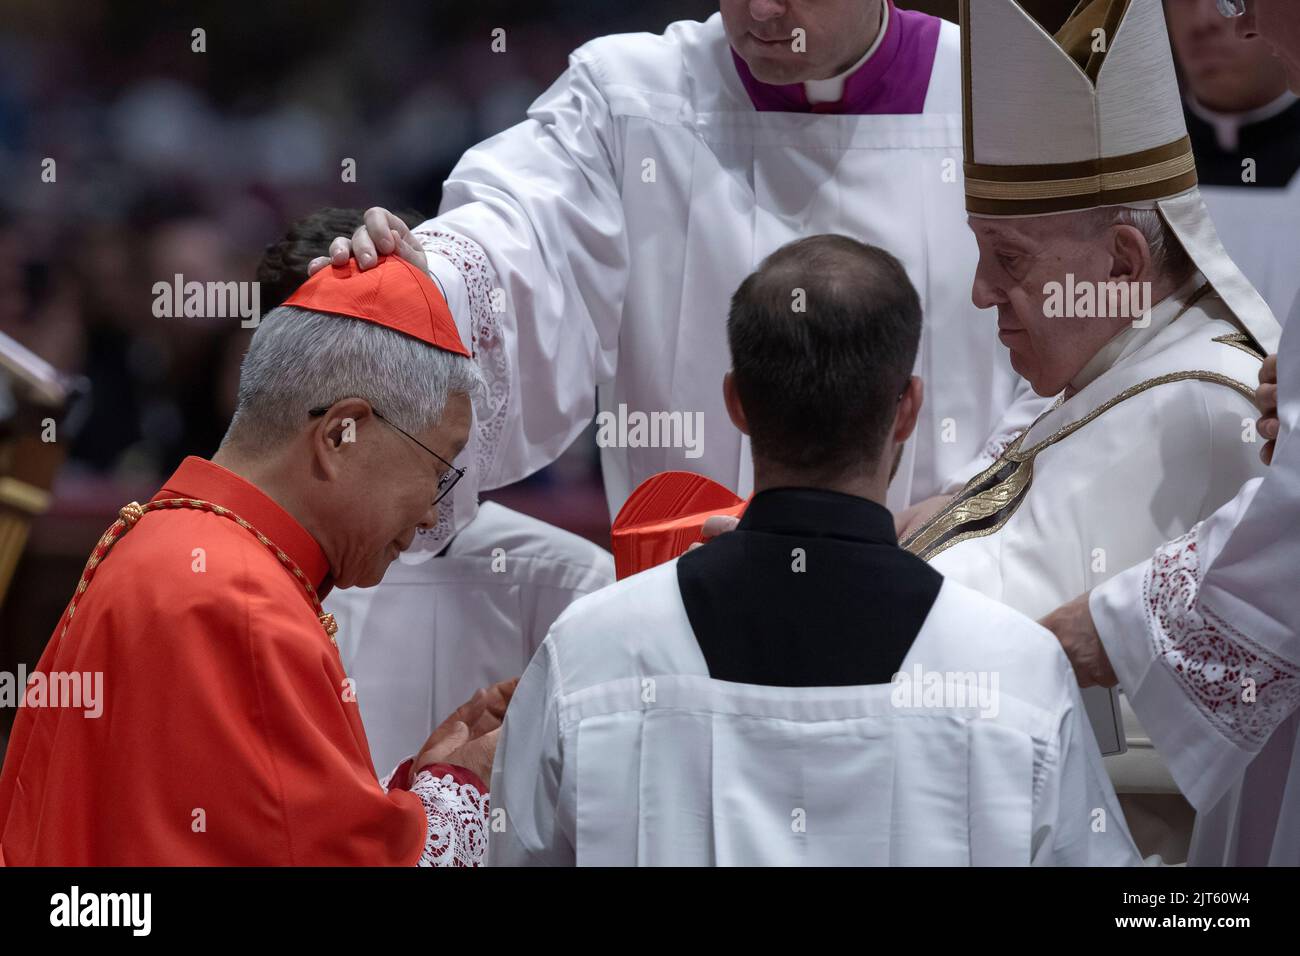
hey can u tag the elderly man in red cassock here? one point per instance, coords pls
(229, 732)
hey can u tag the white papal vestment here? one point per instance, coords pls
(1156, 439)
(1159, 436)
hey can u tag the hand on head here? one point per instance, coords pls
(381, 234)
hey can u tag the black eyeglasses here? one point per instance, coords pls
(449, 477)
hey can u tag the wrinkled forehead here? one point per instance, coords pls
(1006, 230)
(1026, 230)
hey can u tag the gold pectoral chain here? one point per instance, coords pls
(132, 513)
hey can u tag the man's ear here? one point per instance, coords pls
(909, 410)
(735, 410)
(338, 432)
(1130, 255)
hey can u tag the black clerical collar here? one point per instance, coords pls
(816, 511)
(812, 590)
(1228, 126)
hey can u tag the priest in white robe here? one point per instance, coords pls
(470, 601)
(1081, 188)
(472, 615)
(1245, 129)
(594, 244)
(1203, 637)
(802, 691)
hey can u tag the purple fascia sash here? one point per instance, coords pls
(895, 79)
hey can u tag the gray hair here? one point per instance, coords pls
(1168, 257)
(299, 360)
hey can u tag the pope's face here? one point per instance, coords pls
(1278, 23)
(1224, 72)
(389, 487)
(1019, 260)
(832, 35)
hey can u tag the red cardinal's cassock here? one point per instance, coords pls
(225, 730)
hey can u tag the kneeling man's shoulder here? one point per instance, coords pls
(985, 631)
(634, 626)
(631, 602)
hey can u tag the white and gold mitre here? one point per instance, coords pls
(1090, 117)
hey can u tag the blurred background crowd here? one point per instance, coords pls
(172, 161)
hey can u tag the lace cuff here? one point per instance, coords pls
(1243, 689)
(487, 339)
(456, 806)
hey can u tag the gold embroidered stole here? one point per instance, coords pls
(988, 500)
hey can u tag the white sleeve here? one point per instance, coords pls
(531, 238)
(1209, 692)
(1205, 637)
(529, 827)
(1077, 817)
(1023, 411)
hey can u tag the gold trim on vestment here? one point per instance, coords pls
(1020, 189)
(1097, 183)
(1194, 375)
(931, 538)
(1240, 340)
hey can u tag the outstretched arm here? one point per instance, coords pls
(531, 253)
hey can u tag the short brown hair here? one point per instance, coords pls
(823, 338)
